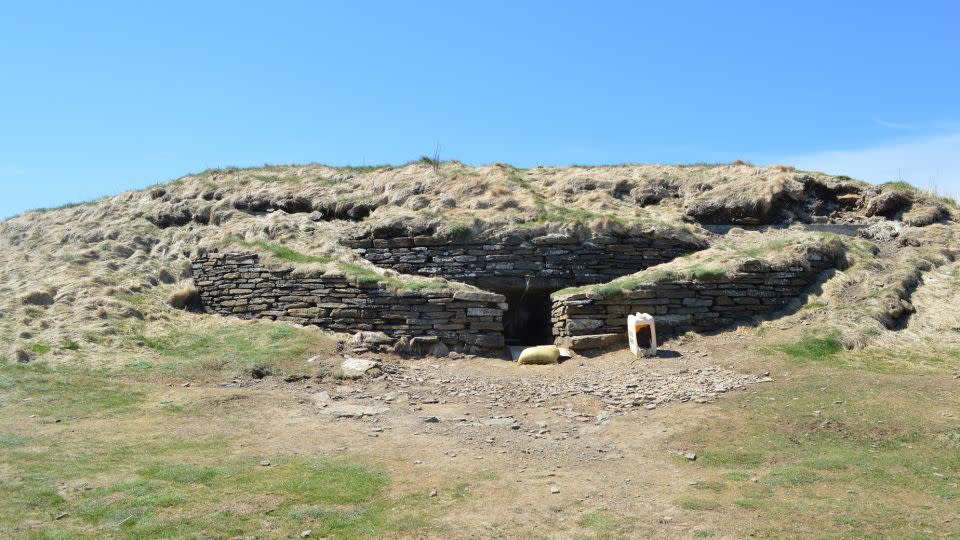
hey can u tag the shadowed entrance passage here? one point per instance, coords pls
(527, 319)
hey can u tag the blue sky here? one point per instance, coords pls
(97, 98)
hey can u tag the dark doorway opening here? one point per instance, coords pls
(527, 319)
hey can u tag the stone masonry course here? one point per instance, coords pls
(237, 284)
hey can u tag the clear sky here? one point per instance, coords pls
(97, 98)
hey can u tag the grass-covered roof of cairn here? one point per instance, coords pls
(733, 254)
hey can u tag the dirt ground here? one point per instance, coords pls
(597, 447)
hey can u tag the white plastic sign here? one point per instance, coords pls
(642, 334)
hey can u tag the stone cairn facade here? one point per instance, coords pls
(238, 284)
(550, 261)
(591, 321)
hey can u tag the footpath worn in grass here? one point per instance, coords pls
(832, 451)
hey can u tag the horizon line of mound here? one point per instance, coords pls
(459, 317)
(710, 290)
(763, 200)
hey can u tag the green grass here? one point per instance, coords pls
(697, 504)
(460, 231)
(230, 350)
(133, 477)
(900, 186)
(812, 348)
(606, 525)
(618, 286)
(39, 348)
(864, 449)
(822, 346)
(363, 275)
(908, 188)
(791, 476)
(708, 485)
(813, 306)
(49, 393)
(283, 253)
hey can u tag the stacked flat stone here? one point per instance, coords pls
(237, 284)
(590, 320)
(552, 260)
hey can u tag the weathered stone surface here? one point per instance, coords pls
(348, 410)
(236, 284)
(471, 296)
(354, 368)
(682, 305)
(554, 260)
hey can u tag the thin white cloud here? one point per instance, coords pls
(931, 162)
(892, 125)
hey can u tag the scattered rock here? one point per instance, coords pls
(354, 368)
(439, 350)
(690, 457)
(431, 420)
(554, 489)
(371, 340)
(422, 345)
(265, 463)
(433, 493)
(321, 399)
(306, 534)
(347, 410)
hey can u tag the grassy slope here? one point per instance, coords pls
(848, 444)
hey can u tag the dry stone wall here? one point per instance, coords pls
(238, 284)
(590, 320)
(550, 261)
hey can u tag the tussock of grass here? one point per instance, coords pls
(910, 189)
(39, 348)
